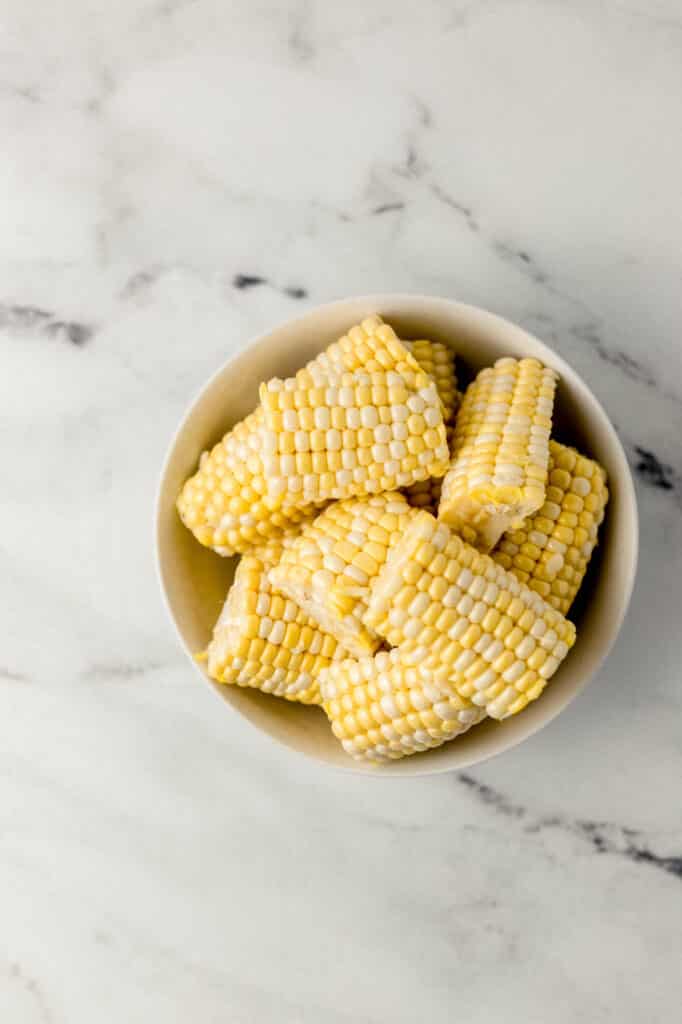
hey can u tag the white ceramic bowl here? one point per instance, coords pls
(195, 580)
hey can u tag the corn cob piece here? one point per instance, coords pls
(339, 435)
(272, 549)
(500, 455)
(265, 641)
(455, 611)
(551, 550)
(426, 494)
(438, 360)
(382, 709)
(328, 568)
(225, 503)
(371, 346)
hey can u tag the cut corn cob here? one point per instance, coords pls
(328, 568)
(551, 550)
(425, 494)
(438, 360)
(272, 549)
(370, 346)
(373, 345)
(226, 504)
(500, 451)
(266, 641)
(336, 435)
(457, 612)
(382, 709)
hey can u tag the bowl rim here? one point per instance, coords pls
(410, 767)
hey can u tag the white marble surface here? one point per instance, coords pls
(159, 861)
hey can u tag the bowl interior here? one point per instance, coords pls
(196, 580)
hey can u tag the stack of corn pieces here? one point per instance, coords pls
(409, 554)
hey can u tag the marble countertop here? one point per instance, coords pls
(179, 176)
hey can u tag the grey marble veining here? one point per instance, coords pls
(179, 176)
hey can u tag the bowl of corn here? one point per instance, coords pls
(397, 525)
